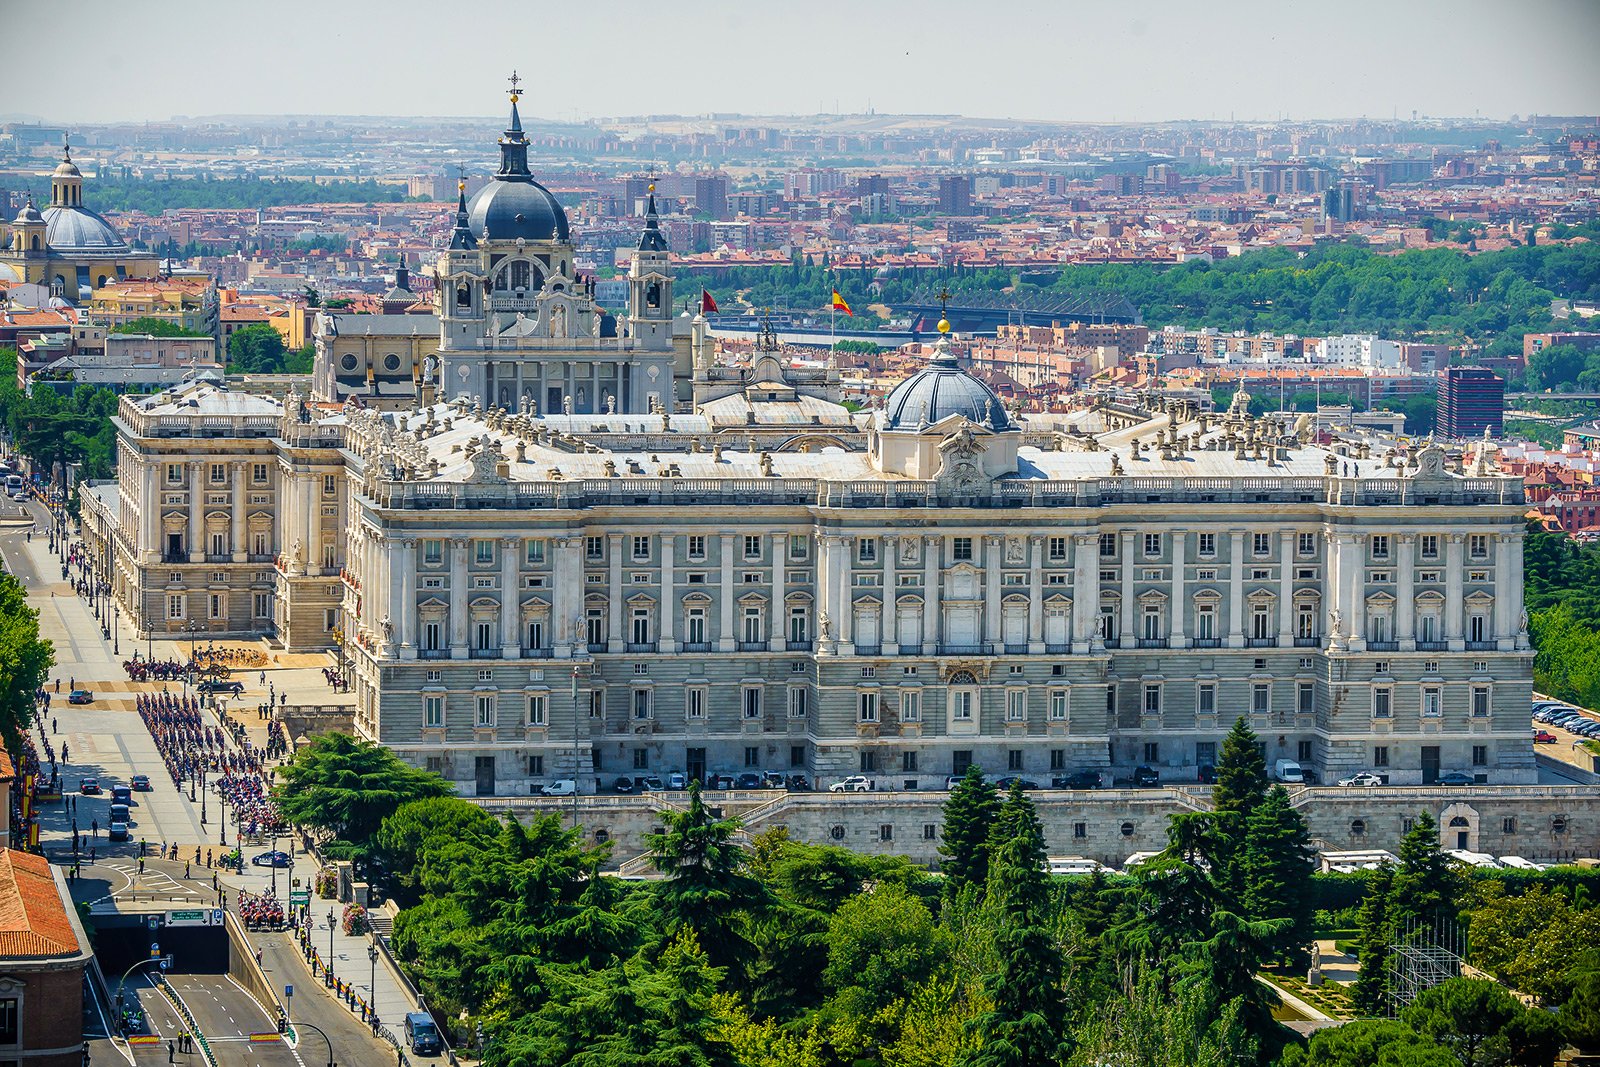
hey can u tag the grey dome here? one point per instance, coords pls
(78, 228)
(516, 208)
(938, 391)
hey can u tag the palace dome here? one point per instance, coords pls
(513, 207)
(939, 390)
(71, 229)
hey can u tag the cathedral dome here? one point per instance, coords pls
(512, 208)
(939, 390)
(79, 229)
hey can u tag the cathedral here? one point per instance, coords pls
(538, 566)
(67, 248)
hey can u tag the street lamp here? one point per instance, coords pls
(332, 923)
(372, 979)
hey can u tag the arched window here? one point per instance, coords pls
(36, 242)
(521, 275)
(463, 296)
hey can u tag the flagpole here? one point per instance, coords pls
(833, 319)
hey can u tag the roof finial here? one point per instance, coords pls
(515, 81)
(944, 304)
(66, 148)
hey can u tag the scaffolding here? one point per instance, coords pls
(1421, 955)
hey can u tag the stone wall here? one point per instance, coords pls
(1542, 823)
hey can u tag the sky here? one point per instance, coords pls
(1065, 60)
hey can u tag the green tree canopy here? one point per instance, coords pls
(256, 349)
(25, 660)
(1277, 863)
(969, 817)
(345, 788)
(156, 328)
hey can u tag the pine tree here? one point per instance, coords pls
(969, 816)
(1241, 786)
(1276, 865)
(1023, 1028)
(1371, 989)
(1426, 887)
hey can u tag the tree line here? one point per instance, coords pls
(1561, 589)
(773, 952)
(152, 196)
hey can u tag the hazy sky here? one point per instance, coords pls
(1044, 59)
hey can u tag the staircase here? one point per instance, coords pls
(381, 921)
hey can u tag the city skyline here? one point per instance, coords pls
(1076, 64)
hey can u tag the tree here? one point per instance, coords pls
(1370, 992)
(1426, 886)
(1277, 863)
(1370, 1043)
(345, 787)
(969, 817)
(1241, 785)
(1580, 1015)
(707, 885)
(25, 660)
(1024, 1025)
(425, 844)
(256, 349)
(156, 328)
(1481, 1023)
(1526, 939)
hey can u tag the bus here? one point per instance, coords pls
(13, 485)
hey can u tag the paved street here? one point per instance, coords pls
(106, 740)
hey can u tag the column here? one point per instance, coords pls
(237, 534)
(197, 501)
(1405, 590)
(1355, 569)
(458, 598)
(566, 600)
(889, 624)
(311, 524)
(1513, 560)
(1035, 594)
(1331, 611)
(1126, 638)
(847, 603)
(775, 611)
(823, 584)
(1286, 589)
(151, 541)
(993, 547)
(726, 641)
(1453, 623)
(614, 591)
(510, 599)
(930, 594)
(1235, 588)
(1085, 591)
(1180, 604)
(669, 599)
(407, 604)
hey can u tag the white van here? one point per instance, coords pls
(561, 787)
(1287, 770)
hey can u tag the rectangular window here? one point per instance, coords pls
(961, 701)
(1480, 755)
(1480, 702)
(868, 762)
(1431, 708)
(594, 548)
(1058, 549)
(597, 703)
(799, 703)
(1302, 751)
(433, 710)
(1306, 544)
(1261, 698)
(1058, 705)
(536, 709)
(641, 759)
(752, 702)
(1306, 698)
(219, 606)
(1058, 759)
(1208, 544)
(262, 604)
(329, 484)
(1080, 831)
(961, 548)
(1152, 700)
(1508, 825)
(911, 705)
(1380, 755)
(1380, 546)
(752, 756)
(797, 755)
(1382, 703)
(1152, 544)
(1261, 544)
(885, 832)
(175, 606)
(219, 474)
(798, 546)
(1016, 705)
(643, 704)
(867, 706)
(1478, 546)
(1206, 698)
(485, 709)
(433, 551)
(694, 703)
(1152, 751)
(1430, 546)
(641, 547)
(1108, 545)
(908, 763)
(697, 546)
(258, 472)
(1014, 759)
(174, 473)
(867, 549)
(482, 551)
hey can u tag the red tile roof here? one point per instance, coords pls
(33, 918)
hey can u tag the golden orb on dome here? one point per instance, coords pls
(944, 325)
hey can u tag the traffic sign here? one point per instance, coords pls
(155, 947)
(288, 992)
(302, 897)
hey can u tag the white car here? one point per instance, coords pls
(856, 783)
(1361, 778)
(561, 787)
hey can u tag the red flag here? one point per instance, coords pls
(708, 303)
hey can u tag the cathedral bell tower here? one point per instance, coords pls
(650, 283)
(457, 277)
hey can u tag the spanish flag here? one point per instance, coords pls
(840, 305)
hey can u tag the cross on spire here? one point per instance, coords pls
(515, 81)
(944, 300)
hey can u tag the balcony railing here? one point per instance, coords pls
(797, 646)
(1433, 646)
(599, 646)
(537, 653)
(1481, 646)
(1307, 642)
(913, 649)
(1152, 642)
(966, 650)
(433, 653)
(1016, 650)
(1057, 650)
(484, 653)
(869, 650)
(1207, 642)
(697, 646)
(1261, 642)
(752, 646)
(640, 646)
(1383, 646)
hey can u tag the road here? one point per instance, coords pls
(227, 1015)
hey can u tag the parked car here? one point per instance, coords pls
(1543, 737)
(750, 780)
(120, 813)
(422, 1034)
(1006, 783)
(275, 858)
(1365, 778)
(720, 781)
(1208, 774)
(623, 784)
(1288, 770)
(561, 787)
(1145, 776)
(121, 794)
(856, 783)
(646, 782)
(118, 832)
(89, 787)
(140, 783)
(1079, 780)
(677, 780)
(80, 696)
(799, 783)
(1455, 778)
(213, 686)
